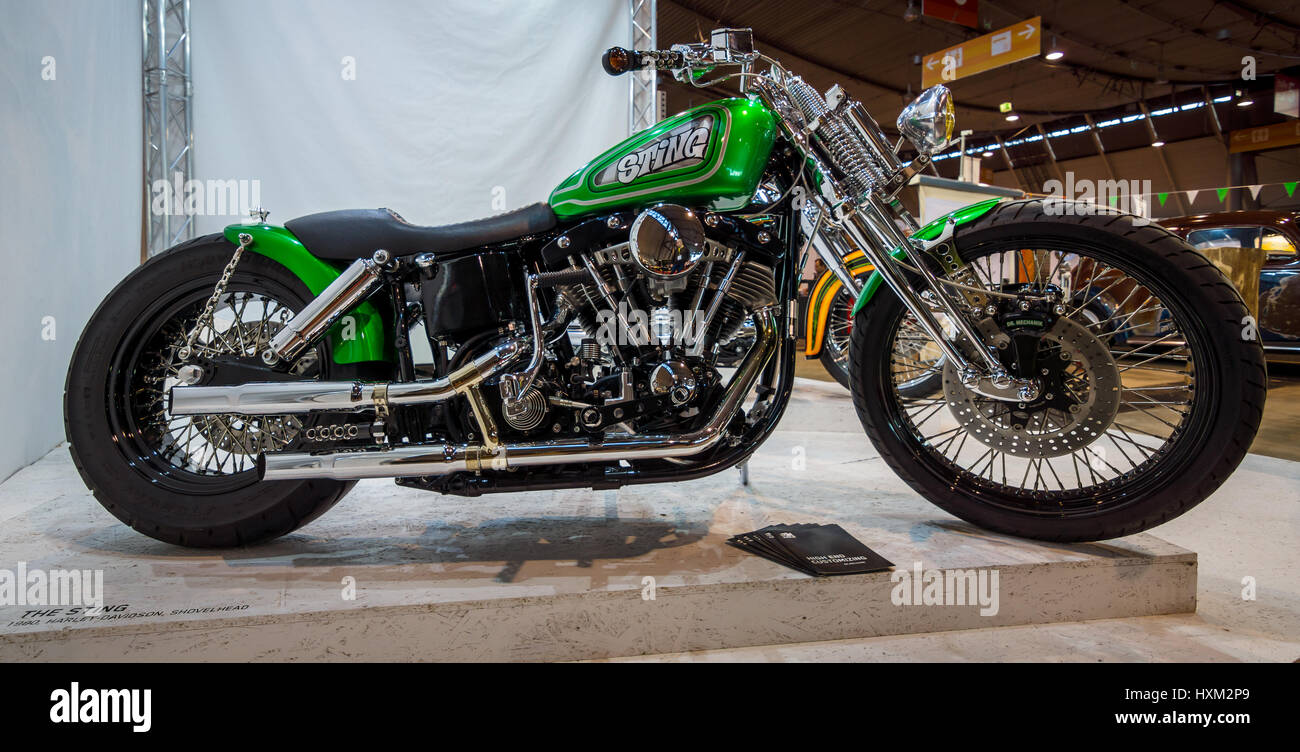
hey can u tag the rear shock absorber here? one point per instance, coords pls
(350, 288)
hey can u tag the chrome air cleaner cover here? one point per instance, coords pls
(667, 241)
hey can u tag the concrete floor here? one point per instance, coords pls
(1248, 532)
(559, 575)
(1279, 433)
(411, 548)
(1177, 638)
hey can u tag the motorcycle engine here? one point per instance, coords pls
(642, 346)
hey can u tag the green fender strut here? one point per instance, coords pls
(368, 341)
(929, 232)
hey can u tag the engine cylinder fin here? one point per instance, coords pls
(754, 286)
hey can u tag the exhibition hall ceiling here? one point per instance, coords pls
(1116, 52)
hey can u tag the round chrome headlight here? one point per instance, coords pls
(667, 241)
(928, 121)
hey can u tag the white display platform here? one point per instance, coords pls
(557, 575)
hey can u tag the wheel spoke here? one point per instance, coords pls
(1042, 450)
(213, 445)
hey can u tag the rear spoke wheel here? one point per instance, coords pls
(216, 447)
(191, 480)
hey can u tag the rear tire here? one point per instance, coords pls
(138, 486)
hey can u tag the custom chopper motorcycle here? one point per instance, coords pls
(236, 386)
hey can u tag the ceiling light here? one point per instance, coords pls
(1245, 102)
(1012, 117)
(1157, 143)
(1055, 53)
(987, 154)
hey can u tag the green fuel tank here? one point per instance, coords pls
(711, 156)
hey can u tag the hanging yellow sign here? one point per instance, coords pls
(1018, 42)
(1265, 137)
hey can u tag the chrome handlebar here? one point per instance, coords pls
(616, 61)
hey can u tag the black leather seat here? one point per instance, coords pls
(357, 233)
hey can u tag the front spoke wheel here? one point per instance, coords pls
(1147, 395)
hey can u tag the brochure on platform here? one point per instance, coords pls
(818, 550)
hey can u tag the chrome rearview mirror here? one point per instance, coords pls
(928, 121)
(732, 45)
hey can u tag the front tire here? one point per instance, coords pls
(1209, 390)
(126, 447)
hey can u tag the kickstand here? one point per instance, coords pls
(744, 473)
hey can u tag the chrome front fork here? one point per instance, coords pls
(870, 226)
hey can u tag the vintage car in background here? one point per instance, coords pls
(1277, 233)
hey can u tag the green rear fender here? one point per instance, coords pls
(364, 339)
(929, 232)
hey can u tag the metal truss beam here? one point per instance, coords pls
(168, 126)
(1051, 153)
(1011, 166)
(1164, 161)
(1101, 150)
(643, 100)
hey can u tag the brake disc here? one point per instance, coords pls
(1078, 402)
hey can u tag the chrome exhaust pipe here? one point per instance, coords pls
(292, 397)
(441, 460)
(356, 465)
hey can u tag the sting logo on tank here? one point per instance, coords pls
(683, 146)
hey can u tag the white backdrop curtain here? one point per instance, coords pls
(444, 111)
(70, 195)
